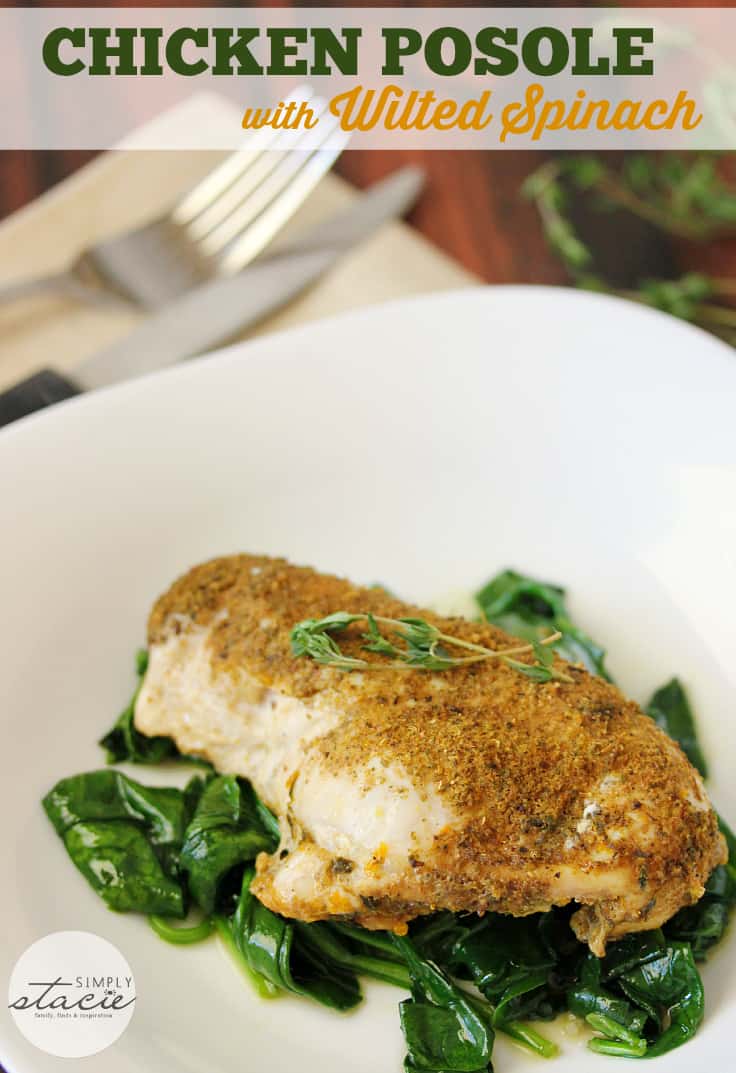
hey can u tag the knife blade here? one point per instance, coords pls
(216, 311)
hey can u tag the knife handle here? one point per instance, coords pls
(34, 393)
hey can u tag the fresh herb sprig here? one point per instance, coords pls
(414, 643)
(686, 197)
(683, 195)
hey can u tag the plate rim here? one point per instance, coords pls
(242, 349)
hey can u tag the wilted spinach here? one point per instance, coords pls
(351, 952)
(124, 837)
(529, 609)
(273, 949)
(670, 710)
(444, 1031)
(509, 963)
(702, 925)
(227, 829)
(668, 987)
(156, 850)
(588, 996)
(645, 996)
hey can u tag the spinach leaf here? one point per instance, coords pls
(702, 925)
(367, 941)
(124, 838)
(659, 978)
(110, 795)
(226, 830)
(124, 742)
(438, 936)
(502, 952)
(272, 948)
(118, 861)
(511, 962)
(434, 1040)
(444, 1031)
(263, 987)
(529, 609)
(588, 996)
(521, 983)
(325, 943)
(669, 988)
(633, 950)
(559, 939)
(521, 999)
(670, 710)
(615, 1039)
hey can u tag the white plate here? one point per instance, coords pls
(425, 444)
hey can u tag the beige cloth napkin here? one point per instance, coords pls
(125, 187)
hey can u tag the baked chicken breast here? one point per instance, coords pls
(401, 792)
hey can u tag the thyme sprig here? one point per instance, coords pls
(684, 196)
(414, 642)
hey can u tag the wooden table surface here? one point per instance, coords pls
(472, 207)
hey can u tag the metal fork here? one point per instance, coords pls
(216, 229)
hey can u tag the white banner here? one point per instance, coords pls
(432, 78)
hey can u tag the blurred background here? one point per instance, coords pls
(654, 228)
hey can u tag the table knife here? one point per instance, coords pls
(216, 311)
